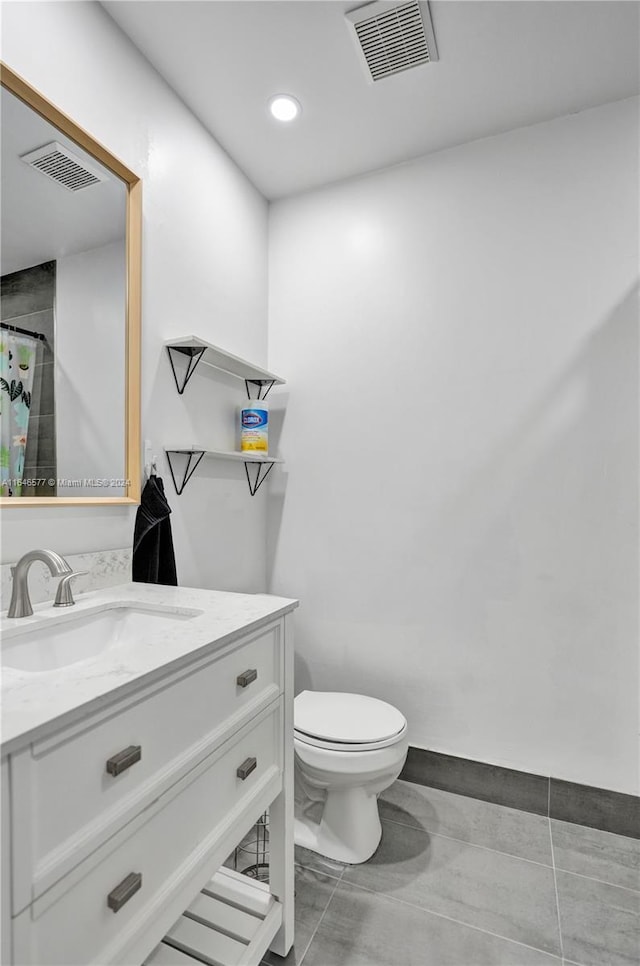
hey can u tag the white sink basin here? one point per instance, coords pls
(58, 642)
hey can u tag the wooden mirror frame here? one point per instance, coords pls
(30, 96)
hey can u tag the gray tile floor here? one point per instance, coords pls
(460, 882)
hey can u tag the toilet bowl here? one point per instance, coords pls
(348, 749)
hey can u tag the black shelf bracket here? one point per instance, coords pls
(260, 383)
(258, 480)
(194, 456)
(195, 354)
(193, 460)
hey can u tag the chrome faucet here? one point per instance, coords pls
(20, 605)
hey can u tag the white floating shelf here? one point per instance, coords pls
(197, 453)
(224, 454)
(232, 921)
(198, 350)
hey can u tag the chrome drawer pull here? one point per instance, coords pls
(123, 892)
(246, 768)
(246, 677)
(124, 759)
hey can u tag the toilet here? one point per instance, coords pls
(348, 749)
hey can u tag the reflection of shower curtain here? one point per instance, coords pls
(17, 364)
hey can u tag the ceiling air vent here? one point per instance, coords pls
(58, 163)
(393, 37)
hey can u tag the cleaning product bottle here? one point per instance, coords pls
(254, 427)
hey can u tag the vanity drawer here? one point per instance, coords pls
(73, 922)
(87, 782)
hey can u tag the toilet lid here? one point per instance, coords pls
(345, 718)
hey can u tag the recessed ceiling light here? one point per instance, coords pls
(284, 107)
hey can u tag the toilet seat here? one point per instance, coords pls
(347, 746)
(340, 721)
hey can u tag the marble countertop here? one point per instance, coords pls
(36, 702)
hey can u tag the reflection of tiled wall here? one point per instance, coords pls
(27, 301)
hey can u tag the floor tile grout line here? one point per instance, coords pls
(597, 831)
(524, 811)
(459, 922)
(593, 878)
(319, 922)
(600, 831)
(484, 801)
(555, 886)
(474, 845)
(313, 868)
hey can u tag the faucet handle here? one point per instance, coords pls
(64, 597)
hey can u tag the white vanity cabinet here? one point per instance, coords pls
(115, 826)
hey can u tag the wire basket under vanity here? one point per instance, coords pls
(251, 855)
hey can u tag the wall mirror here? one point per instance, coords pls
(70, 271)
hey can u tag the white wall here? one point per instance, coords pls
(90, 314)
(461, 443)
(458, 507)
(204, 272)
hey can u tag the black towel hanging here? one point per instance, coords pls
(154, 560)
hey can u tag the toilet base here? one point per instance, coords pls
(349, 830)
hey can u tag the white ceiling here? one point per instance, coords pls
(42, 220)
(502, 65)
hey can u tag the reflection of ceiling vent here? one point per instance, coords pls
(57, 162)
(393, 37)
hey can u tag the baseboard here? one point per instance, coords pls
(543, 795)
